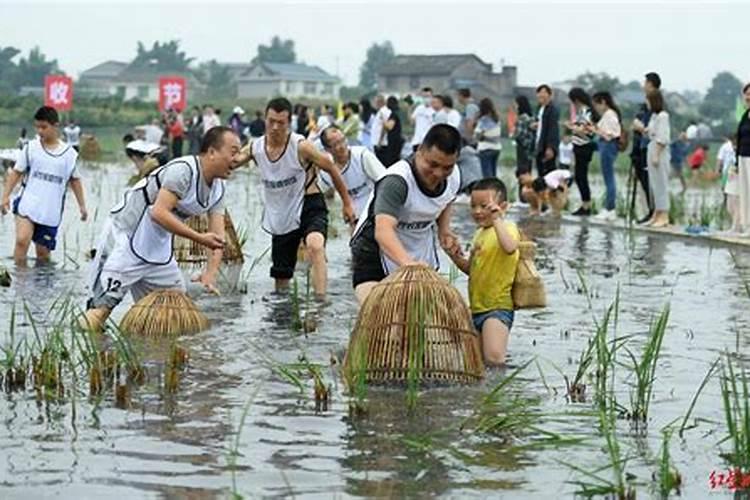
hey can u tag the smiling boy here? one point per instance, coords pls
(491, 267)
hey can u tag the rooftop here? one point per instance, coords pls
(419, 64)
(292, 71)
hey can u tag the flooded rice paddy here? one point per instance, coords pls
(241, 417)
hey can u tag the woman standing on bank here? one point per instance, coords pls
(608, 128)
(583, 144)
(658, 157)
(743, 162)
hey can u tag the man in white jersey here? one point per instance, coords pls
(294, 208)
(73, 135)
(135, 251)
(47, 167)
(359, 167)
(422, 118)
(408, 212)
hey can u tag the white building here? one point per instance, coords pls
(114, 78)
(293, 80)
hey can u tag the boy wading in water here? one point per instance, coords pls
(408, 212)
(294, 208)
(47, 166)
(491, 267)
(135, 251)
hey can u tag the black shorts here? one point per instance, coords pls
(366, 263)
(314, 219)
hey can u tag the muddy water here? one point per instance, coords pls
(180, 445)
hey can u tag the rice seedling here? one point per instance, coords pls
(684, 425)
(735, 397)
(13, 363)
(667, 477)
(676, 209)
(620, 485)
(234, 452)
(175, 365)
(164, 313)
(503, 412)
(596, 351)
(644, 370)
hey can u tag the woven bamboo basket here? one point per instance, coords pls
(188, 253)
(89, 149)
(164, 313)
(414, 325)
(528, 288)
(558, 200)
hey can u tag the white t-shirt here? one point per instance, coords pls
(210, 121)
(454, 118)
(566, 153)
(725, 156)
(557, 177)
(381, 117)
(153, 134)
(73, 135)
(422, 115)
(692, 132)
(539, 117)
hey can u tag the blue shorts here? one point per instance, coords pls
(45, 236)
(505, 316)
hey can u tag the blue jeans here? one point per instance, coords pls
(488, 161)
(608, 153)
(505, 316)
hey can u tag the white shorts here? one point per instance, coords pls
(115, 271)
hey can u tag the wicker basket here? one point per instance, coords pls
(558, 200)
(528, 288)
(89, 148)
(164, 313)
(414, 325)
(188, 253)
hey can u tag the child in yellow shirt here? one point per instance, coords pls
(491, 267)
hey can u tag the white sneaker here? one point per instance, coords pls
(606, 216)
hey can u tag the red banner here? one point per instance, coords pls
(172, 93)
(58, 92)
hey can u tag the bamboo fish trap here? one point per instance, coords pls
(89, 148)
(414, 326)
(528, 288)
(164, 313)
(192, 256)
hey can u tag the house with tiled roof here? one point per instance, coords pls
(293, 80)
(446, 73)
(115, 78)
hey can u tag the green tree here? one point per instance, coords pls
(377, 56)
(8, 70)
(165, 56)
(595, 82)
(279, 51)
(216, 77)
(721, 99)
(33, 69)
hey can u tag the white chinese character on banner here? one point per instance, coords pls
(58, 92)
(172, 94)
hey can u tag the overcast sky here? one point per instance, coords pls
(687, 43)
